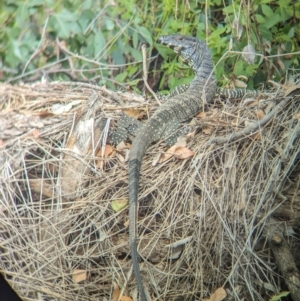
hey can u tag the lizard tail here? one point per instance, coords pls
(135, 161)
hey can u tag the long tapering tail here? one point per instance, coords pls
(134, 173)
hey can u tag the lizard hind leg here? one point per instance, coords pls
(174, 131)
(127, 127)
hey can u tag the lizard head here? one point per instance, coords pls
(188, 48)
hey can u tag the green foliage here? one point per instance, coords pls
(101, 40)
(279, 296)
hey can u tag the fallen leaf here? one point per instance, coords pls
(178, 151)
(120, 158)
(297, 116)
(44, 114)
(79, 275)
(168, 154)
(181, 141)
(218, 295)
(207, 130)
(219, 121)
(239, 84)
(256, 136)
(108, 150)
(116, 294)
(118, 205)
(126, 224)
(251, 102)
(135, 113)
(248, 54)
(243, 77)
(201, 115)
(121, 146)
(183, 153)
(238, 27)
(280, 64)
(35, 133)
(260, 114)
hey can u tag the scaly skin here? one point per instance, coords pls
(166, 120)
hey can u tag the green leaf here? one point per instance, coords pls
(87, 4)
(265, 32)
(64, 23)
(291, 32)
(145, 33)
(279, 296)
(267, 11)
(99, 44)
(137, 54)
(85, 18)
(135, 39)
(260, 19)
(273, 20)
(118, 205)
(121, 77)
(109, 24)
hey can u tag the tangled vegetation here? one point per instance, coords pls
(100, 41)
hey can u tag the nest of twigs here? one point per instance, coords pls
(225, 217)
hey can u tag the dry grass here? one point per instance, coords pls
(201, 221)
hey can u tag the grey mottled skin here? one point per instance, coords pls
(222, 92)
(166, 121)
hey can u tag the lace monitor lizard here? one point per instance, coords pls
(180, 105)
(165, 122)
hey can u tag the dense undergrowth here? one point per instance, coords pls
(100, 41)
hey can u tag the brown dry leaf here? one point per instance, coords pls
(260, 114)
(135, 113)
(120, 158)
(181, 141)
(126, 224)
(207, 130)
(35, 133)
(280, 64)
(44, 114)
(71, 142)
(219, 121)
(211, 113)
(297, 116)
(178, 150)
(201, 115)
(79, 275)
(218, 295)
(116, 294)
(291, 89)
(121, 146)
(256, 136)
(109, 151)
(251, 102)
(183, 153)
(168, 154)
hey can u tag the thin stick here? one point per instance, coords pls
(37, 51)
(145, 71)
(251, 128)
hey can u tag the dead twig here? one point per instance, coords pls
(145, 71)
